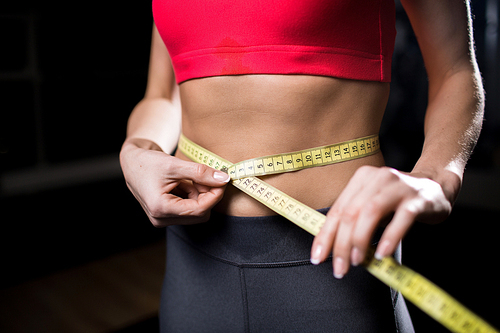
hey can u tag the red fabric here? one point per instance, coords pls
(350, 39)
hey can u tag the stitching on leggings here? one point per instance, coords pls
(246, 265)
(244, 300)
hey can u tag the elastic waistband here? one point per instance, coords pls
(257, 240)
(248, 240)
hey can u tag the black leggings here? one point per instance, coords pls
(253, 274)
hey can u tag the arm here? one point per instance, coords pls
(160, 108)
(456, 100)
(452, 125)
(170, 190)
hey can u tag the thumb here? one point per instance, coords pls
(199, 173)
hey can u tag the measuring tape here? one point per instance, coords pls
(423, 293)
(308, 158)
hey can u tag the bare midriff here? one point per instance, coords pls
(247, 116)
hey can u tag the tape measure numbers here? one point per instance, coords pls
(414, 287)
(307, 158)
(427, 296)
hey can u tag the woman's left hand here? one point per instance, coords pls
(372, 195)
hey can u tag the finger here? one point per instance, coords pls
(159, 218)
(192, 201)
(324, 240)
(200, 188)
(347, 211)
(195, 204)
(207, 200)
(403, 219)
(198, 173)
(342, 248)
(375, 210)
(348, 217)
(375, 181)
(185, 189)
(206, 196)
(189, 190)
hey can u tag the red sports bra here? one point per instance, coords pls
(340, 38)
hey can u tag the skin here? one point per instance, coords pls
(237, 117)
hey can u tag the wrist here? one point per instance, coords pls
(132, 149)
(132, 143)
(449, 178)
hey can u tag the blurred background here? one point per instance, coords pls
(77, 252)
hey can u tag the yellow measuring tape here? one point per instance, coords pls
(423, 293)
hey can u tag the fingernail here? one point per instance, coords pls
(315, 256)
(382, 250)
(339, 268)
(221, 176)
(356, 257)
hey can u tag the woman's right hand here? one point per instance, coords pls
(170, 190)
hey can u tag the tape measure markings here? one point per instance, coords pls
(427, 296)
(414, 287)
(308, 158)
(298, 213)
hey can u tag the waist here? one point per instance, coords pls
(255, 240)
(316, 187)
(242, 117)
(247, 240)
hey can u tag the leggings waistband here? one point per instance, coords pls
(249, 240)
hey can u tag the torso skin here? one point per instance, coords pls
(241, 117)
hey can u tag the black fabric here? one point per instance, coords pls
(252, 274)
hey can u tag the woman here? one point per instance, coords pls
(258, 79)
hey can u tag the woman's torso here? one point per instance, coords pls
(245, 116)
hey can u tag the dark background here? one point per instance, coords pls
(71, 72)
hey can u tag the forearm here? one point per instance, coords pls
(452, 126)
(155, 122)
